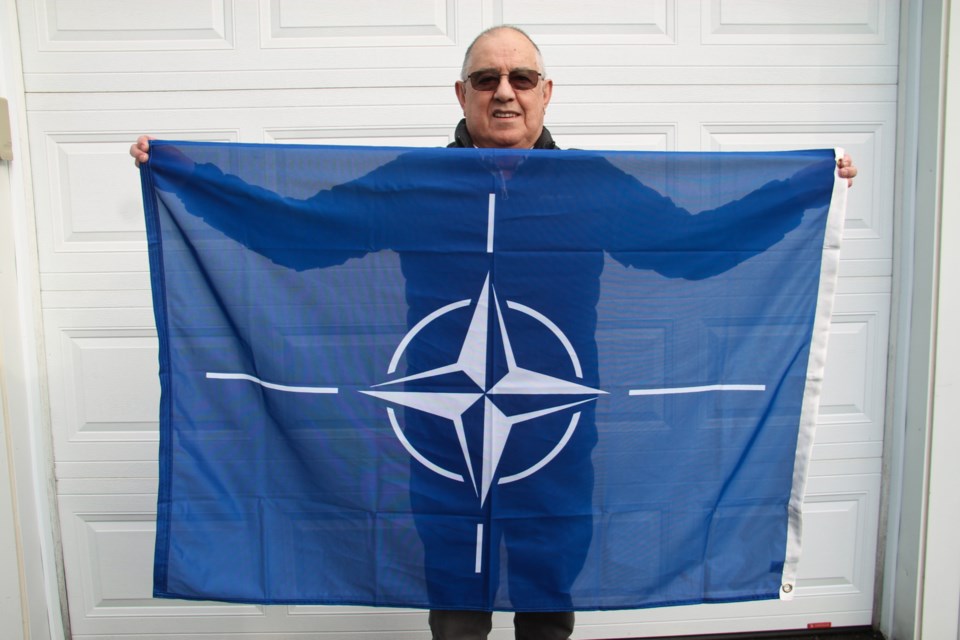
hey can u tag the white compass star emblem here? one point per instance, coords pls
(472, 362)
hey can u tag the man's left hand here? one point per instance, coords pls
(846, 169)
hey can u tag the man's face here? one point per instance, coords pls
(505, 117)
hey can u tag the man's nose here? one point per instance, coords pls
(504, 92)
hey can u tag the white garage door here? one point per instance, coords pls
(629, 74)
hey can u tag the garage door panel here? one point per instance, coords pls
(652, 74)
(104, 391)
(566, 22)
(843, 611)
(90, 212)
(125, 25)
(832, 564)
(810, 22)
(868, 224)
(89, 206)
(90, 217)
(109, 575)
(108, 563)
(105, 395)
(116, 44)
(109, 582)
(852, 404)
(859, 39)
(865, 131)
(311, 24)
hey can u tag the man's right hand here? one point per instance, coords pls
(140, 150)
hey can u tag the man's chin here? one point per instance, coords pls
(509, 141)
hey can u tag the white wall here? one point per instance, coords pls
(11, 552)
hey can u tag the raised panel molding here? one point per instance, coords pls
(118, 553)
(125, 25)
(577, 22)
(835, 579)
(88, 200)
(839, 518)
(869, 207)
(852, 404)
(332, 23)
(626, 137)
(120, 45)
(114, 385)
(104, 390)
(111, 387)
(834, 564)
(91, 209)
(845, 389)
(108, 544)
(423, 137)
(797, 22)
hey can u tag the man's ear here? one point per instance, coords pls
(461, 89)
(547, 92)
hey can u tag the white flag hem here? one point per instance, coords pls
(829, 270)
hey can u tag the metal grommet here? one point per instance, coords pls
(787, 588)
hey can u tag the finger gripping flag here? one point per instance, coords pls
(486, 379)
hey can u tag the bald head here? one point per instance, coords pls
(464, 70)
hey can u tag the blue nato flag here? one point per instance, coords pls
(485, 379)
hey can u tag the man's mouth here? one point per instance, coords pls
(505, 114)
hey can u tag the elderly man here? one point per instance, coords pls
(504, 93)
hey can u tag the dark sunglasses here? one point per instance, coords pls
(519, 79)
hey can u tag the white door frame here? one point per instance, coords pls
(940, 616)
(30, 511)
(918, 592)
